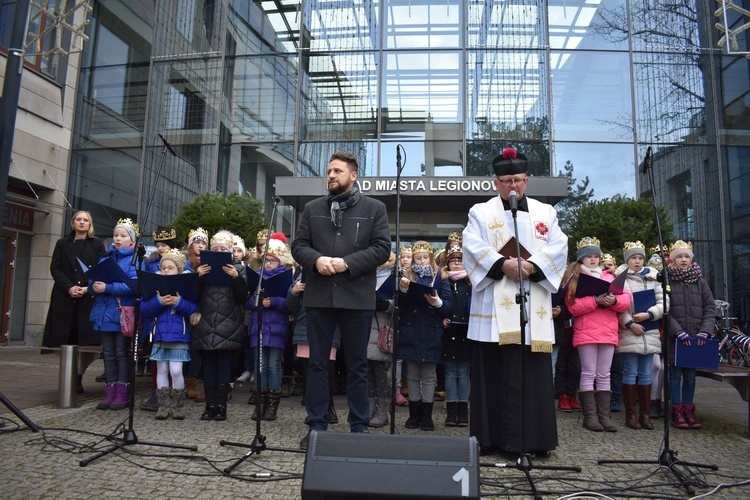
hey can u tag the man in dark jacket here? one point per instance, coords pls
(341, 240)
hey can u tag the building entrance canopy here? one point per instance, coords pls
(455, 195)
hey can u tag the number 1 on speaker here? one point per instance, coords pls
(462, 476)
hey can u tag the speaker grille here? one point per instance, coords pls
(340, 446)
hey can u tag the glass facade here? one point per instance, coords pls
(247, 92)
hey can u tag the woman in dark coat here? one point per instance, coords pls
(68, 317)
(70, 305)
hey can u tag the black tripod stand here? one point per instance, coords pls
(128, 434)
(259, 441)
(18, 413)
(668, 457)
(524, 463)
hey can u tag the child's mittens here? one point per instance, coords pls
(702, 336)
(683, 335)
(195, 318)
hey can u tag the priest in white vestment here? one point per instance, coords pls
(494, 321)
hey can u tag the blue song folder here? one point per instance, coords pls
(642, 301)
(589, 285)
(695, 356)
(275, 286)
(384, 288)
(107, 271)
(417, 291)
(217, 260)
(186, 285)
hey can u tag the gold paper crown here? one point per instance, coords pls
(455, 236)
(262, 234)
(277, 248)
(453, 250)
(406, 249)
(588, 241)
(679, 244)
(175, 254)
(198, 234)
(131, 224)
(657, 249)
(164, 236)
(629, 245)
(223, 237)
(608, 256)
(422, 246)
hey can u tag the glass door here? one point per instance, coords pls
(7, 256)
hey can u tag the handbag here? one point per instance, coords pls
(127, 319)
(385, 337)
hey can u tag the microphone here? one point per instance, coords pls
(276, 199)
(167, 145)
(647, 161)
(398, 156)
(513, 201)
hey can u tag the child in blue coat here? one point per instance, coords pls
(421, 331)
(171, 340)
(105, 317)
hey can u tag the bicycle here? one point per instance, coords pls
(734, 345)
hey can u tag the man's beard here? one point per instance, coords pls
(340, 188)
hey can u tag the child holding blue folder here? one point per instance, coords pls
(421, 332)
(594, 333)
(639, 334)
(171, 340)
(275, 329)
(105, 317)
(692, 316)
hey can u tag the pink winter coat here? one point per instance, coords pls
(597, 325)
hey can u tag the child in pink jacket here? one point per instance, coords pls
(595, 329)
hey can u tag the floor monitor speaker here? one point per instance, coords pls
(366, 466)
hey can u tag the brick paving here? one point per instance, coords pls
(46, 464)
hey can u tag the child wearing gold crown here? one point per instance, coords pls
(164, 241)
(275, 330)
(637, 343)
(456, 346)
(105, 317)
(595, 330)
(692, 317)
(421, 330)
(404, 263)
(219, 328)
(171, 340)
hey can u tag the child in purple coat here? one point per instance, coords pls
(275, 329)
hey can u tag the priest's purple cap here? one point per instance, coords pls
(510, 162)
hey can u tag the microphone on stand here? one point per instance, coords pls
(647, 161)
(398, 158)
(513, 202)
(276, 200)
(167, 145)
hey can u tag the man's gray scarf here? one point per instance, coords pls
(342, 201)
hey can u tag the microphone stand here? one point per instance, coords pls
(524, 463)
(399, 274)
(668, 457)
(259, 441)
(128, 434)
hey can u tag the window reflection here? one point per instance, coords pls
(591, 96)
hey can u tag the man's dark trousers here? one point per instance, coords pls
(355, 334)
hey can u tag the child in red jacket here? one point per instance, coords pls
(595, 328)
